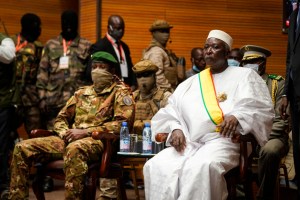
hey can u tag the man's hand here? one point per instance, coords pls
(228, 126)
(283, 106)
(75, 134)
(178, 140)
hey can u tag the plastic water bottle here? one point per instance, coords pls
(147, 141)
(124, 138)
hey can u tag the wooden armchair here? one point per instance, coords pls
(102, 169)
(241, 174)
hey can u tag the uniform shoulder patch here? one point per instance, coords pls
(127, 100)
(275, 77)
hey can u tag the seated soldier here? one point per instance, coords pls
(102, 107)
(270, 155)
(149, 98)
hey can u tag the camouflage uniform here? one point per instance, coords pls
(145, 109)
(85, 110)
(27, 62)
(166, 76)
(57, 85)
(170, 72)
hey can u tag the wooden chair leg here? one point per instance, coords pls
(37, 184)
(285, 174)
(122, 188)
(91, 185)
(248, 187)
(231, 188)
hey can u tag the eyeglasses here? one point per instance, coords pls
(144, 74)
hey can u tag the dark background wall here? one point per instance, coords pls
(248, 22)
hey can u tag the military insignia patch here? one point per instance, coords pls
(127, 101)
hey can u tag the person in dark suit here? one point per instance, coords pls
(113, 44)
(292, 87)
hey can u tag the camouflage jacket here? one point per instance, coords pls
(58, 85)
(27, 62)
(166, 76)
(145, 109)
(97, 112)
(275, 85)
(7, 81)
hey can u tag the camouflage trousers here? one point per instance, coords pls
(76, 155)
(108, 189)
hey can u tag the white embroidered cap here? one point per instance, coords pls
(222, 36)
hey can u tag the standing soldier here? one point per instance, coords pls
(28, 55)
(149, 98)
(7, 88)
(270, 155)
(62, 68)
(61, 72)
(171, 69)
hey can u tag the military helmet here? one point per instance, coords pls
(160, 24)
(144, 66)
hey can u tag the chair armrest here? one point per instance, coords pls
(161, 137)
(40, 133)
(107, 139)
(104, 136)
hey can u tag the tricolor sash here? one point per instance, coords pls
(209, 98)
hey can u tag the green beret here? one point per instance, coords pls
(160, 24)
(252, 52)
(144, 66)
(103, 56)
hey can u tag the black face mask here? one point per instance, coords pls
(69, 25)
(117, 34)
(31, 35)
(31, 27)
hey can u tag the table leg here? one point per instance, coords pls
(133, 174)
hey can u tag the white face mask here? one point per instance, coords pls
(233, 63)
(252, 66)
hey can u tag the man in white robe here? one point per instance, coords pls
(201, 149)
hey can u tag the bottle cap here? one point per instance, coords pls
(147, 124)
(124, 123)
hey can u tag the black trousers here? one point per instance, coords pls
(7, 134)
(295, 113)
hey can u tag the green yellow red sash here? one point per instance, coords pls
(209, 97)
